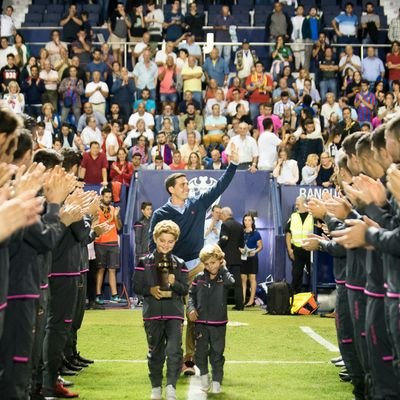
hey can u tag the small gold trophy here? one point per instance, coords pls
(164, 268)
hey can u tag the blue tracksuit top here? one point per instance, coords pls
(191, 222)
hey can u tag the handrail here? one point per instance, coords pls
(130, 205)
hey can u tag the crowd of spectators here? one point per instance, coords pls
(171, 107)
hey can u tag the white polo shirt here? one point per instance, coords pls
(247, 148)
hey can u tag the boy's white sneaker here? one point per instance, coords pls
(170, 392)
(156, 393)
(205, 383)
(215, 387)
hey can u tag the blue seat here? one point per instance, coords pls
(36, 8)
(33, 18)
(51, 24)
(239, 9)
(44, 2)
(246, 2)
(212, 18)
(243, 19)
(214, 9)
(29, 24)
(55, 8)
(260, 19)
(52, 18)
(93, 18)
(91, 8)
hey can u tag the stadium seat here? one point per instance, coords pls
(260, 19)
(92, 8)
(246, 2)
(212, 18)
(52, 18)
(49, 24)
(243, 19)
(55, 9)
(33, 18)
(214, 9)
(36, 9)
(239, 9)
(93, 18)
(43, 2)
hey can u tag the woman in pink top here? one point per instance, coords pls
(167, 79)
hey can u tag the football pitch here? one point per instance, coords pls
(267, 357)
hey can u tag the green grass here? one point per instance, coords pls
(119, 335)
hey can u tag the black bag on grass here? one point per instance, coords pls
(279, 298)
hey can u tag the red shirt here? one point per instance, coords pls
(258, 95)
(182, 165)
(126, 172)
(394, 74)
(93, 175)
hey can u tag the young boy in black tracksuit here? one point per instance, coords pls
(162, 315)
(207, 308)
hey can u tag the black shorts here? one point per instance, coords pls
(249, 266)
(107, 256)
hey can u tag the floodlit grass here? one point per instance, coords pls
(119, 335)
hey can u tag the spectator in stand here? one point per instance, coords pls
(318, 52)
(149, 103)
(215, 163)
(191, 76)
(97, 92)
(54, 47)
(33, 88)
(346, 25)
(222, 33)
(191, 146)
(162, 148)
(75, 62)
(278, 23)
(5, 50)
(71, 89)
(268, 144)
(121, 170)
(14, 99)
(168, 78)
(162, 54)
(195, 21)
(140, 149)
(218, 99)
(67, 136)
(44, 139)
(297, 37)
(50, 118)
(10, 72)
(88, 112)
(137, 29)
(245, 60)
(328, 74)
(140, 47)
(22, 51)
(145, 74)
(349, 60)
(309, 90)
(348, 125)
(280, 106)
(215, 67)
(394, 29)
(310, 29)
(247, 148)
(365, 103)
(97, 64)
(259, 85)
(283, 87)
(82, 48)
(112, 142)
(173, 22)
(123, 90)
(7, 24)
(194, 161)
(372, 67)
(141, 114)
(309, 172)
(187, 99)
(236, 84)
(135, 134)
(326, 170)
(393, 63)
(191, 113)
(158, 164)
(91, 133)
(177, 162)
(190, 127)
(50, 79)
(154, 22)
(329, 107)
(231, 109)
(215, 126)
(71, 24)
(389, 109)
(370, 23)
(286, 170)
(192, 47)
(118, 26)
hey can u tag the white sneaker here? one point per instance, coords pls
(205, 383)
(215, 387)
(170, 392)
(156, 393)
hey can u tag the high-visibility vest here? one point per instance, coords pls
(300, 230)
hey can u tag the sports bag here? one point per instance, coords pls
(279, 298)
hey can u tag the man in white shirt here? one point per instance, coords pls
(192, 47)
(161, 55)
(231, 109)
(44, 138)
(97, 92)
(190, 127)
(247, 148)
(112, 144)
(329, 107)
(134, 134)
(141, 114)
(283, 104)
(349, 60)
(50, 78)
(141, 47)
(268, 144)
(91, 133)
(212, 226)
(7, 25)
(5, 50)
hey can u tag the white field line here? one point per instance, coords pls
(319, 339)
(260, 362)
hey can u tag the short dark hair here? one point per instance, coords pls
(137, 154)
(187, 120)
(268, 124)
(363, 145)
(171, 180)
(215, 206)
(393, 127)
(349, 143)
(25, 143)
(105, 190)
(378, 137)
(48, 157)
(71, 158)
(93, 143)
(9, 122)
(145, 204)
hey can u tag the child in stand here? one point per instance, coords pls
(162, 315)
(207, 308)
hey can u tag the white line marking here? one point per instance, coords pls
(260, 362)
(195, 392)
(319, 339)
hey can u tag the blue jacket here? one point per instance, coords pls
(191, 222)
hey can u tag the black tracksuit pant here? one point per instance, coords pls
(302, 259)
(16, 349)
(392, 314)
(164, 339)
(210, 341)
(385, 386)
(63, 293)
(345, 333)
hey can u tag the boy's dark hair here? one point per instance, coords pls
(171, 180)
(9, 122)
(93, 143)
(308, 121)
(215, 206)
(41, 124)
(145, 204)
(284, 93)
(363, 146)
(71, 158)
(268, 124)
(187, 120)
(378, 137)
(307, 99)
(349, 143)
(48, 157)
(25, 144)
(105, 190)
(393, 127)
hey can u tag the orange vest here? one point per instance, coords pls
(112, 235)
